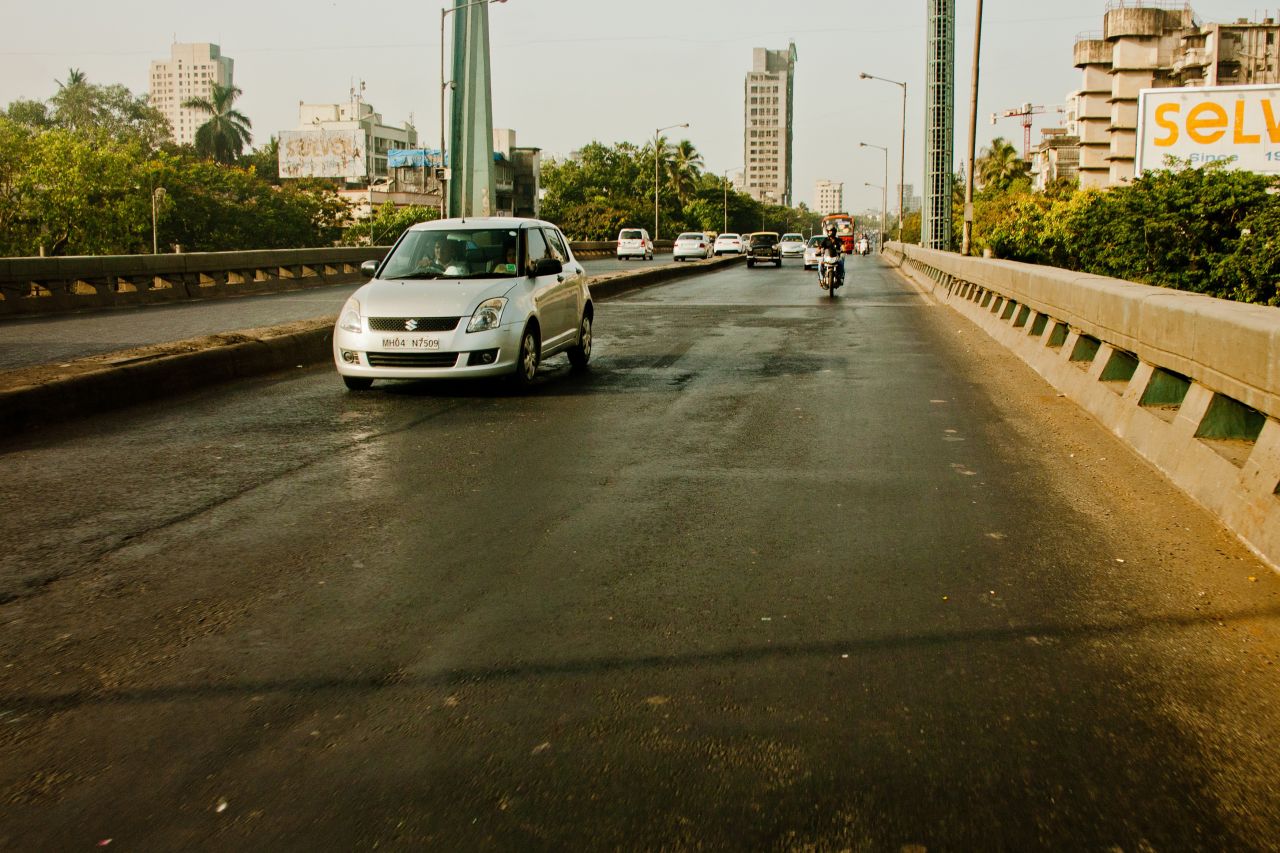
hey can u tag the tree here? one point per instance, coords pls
(73, 106)
(30, 113)
(224, 136)
(264, 161)
(1000, 165)
(683, 166)
(387, 224)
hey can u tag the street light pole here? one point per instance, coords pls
(444, 13)
(726, 197)
(902, 160)
(656, 162)
(884, 201)
(156, 194)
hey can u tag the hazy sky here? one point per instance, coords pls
(569, 71)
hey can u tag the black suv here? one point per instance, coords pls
(764, 246)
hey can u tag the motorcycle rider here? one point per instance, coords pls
(833, 247)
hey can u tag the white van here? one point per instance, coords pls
(634, 243)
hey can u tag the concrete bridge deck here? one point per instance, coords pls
(778, 573)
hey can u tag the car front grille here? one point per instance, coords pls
(420, 324)
(413, 359)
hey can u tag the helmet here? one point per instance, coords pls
(831, 232)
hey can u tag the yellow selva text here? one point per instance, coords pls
(1209, 123)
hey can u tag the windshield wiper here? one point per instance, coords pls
(413, 275)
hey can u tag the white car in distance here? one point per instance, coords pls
(727, 244)
(792, 245)
(692, 245)
(813, 252)
(457, 299)
(635, 243)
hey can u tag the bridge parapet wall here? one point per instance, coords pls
(44, 286)
(1190, 381)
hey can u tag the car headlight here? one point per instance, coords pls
(349, 320)
(488, 316)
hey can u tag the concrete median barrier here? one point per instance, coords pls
(48, 394)
(32, 287)
(1192, 383)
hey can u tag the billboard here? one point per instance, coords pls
(323, 154)
(1236, 125)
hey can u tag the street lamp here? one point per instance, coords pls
(726, 196)
(884, 204)
(444, 13)
(902, 161)
(157, 195)
(656, 134)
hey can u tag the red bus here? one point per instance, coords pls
(844, 229)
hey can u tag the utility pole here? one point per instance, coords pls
(966, 242)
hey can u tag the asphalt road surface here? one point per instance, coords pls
(779, 572)
(26, 342)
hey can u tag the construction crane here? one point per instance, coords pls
(1026, 112)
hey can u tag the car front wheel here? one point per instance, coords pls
(527, 361)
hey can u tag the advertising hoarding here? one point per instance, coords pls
(323, 154)
(1236, 125)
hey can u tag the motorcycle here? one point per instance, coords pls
(829, 274)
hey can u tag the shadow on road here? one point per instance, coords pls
(862, 646)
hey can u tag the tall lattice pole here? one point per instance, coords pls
(939, 124)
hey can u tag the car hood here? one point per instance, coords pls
(434, 298)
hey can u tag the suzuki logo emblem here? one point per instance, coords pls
(410, 325)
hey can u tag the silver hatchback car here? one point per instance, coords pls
(466, 298)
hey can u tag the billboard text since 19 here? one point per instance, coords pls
(1238, 126)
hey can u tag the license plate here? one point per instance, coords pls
(410, 342)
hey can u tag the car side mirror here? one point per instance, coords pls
(369, 268)
(547, 266)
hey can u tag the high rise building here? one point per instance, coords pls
(768, 112)
(190, 72)
(829, 197)
(1149, 44)
(910, 201)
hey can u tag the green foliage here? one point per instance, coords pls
(88, 110)
(85, 192)
(1209, 230)
(387, 224)
(264, 162)
(1000, 166)
(1251, 273)
(610, 187)
(224, 136)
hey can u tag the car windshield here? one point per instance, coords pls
(690, 237)
(629, 235)
(728, 236)
(763, 239)
(455, 254)
(816, 241)
(792, 238)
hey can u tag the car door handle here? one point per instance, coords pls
(560, 278)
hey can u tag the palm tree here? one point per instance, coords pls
(73, 106)
(1000, 165)
(224, 136)
(683, 167)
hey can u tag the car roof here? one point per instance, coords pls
(479, 222)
